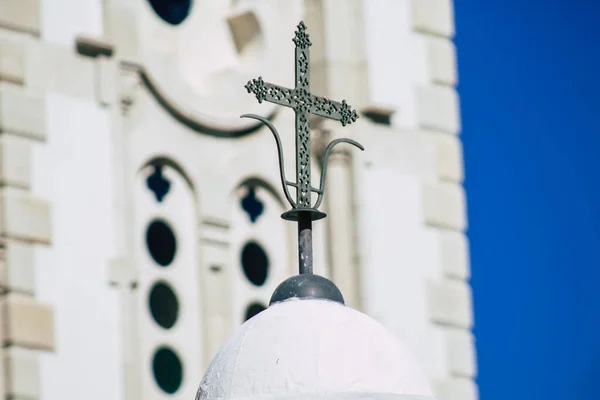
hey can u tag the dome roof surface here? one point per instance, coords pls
(311, 347)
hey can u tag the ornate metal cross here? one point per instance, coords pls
(304, 104)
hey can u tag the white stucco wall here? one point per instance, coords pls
(62, 20)
(73, 171)
(396, 58)
(399, 258)
(396, 245)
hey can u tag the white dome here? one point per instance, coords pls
(311, 347)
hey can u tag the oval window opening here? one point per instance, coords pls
(167, 369)
(173, 12)
(161, 242)
(164, 305)
(255, 263)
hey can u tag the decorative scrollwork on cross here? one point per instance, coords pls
(303, 103)
(302, 40)
(347, 114)
(257, 86)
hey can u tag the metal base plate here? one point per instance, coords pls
(307, 286)
(292, 215)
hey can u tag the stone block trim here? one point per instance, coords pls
(58, 69)
(24, 216)
(433, 16)
(454, 254)
(449, 303)
(21, 16)
(448, 157)
(12, 59)
(48, 67)
(21, 373)
(441, 61)
(27, 323)
(437, 108)
(15, 161)
(444, 206)
(17, 271)
(460, 352)
(437, 111)
(456, 389)
(22, 112)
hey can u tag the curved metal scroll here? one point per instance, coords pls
(328, 150)
(284, 181)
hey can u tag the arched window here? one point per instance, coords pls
(169, 334)
(261, 255)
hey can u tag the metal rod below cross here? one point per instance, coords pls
(305, 251)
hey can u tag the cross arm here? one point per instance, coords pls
(269, 92)
(335, 110)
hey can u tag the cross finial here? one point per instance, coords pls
(302, 38)
(303, 103)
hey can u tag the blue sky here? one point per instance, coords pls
(530, 99)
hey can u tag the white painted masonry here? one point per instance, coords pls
(304, 347)
(80, 130)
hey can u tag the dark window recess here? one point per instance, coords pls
(158, 184)
(164, 306)
(173, 12)
(255, 263)
(254, 309)
(379, 114)
(161, 242)
(216, 268)
(167, 369)
(252, 205)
